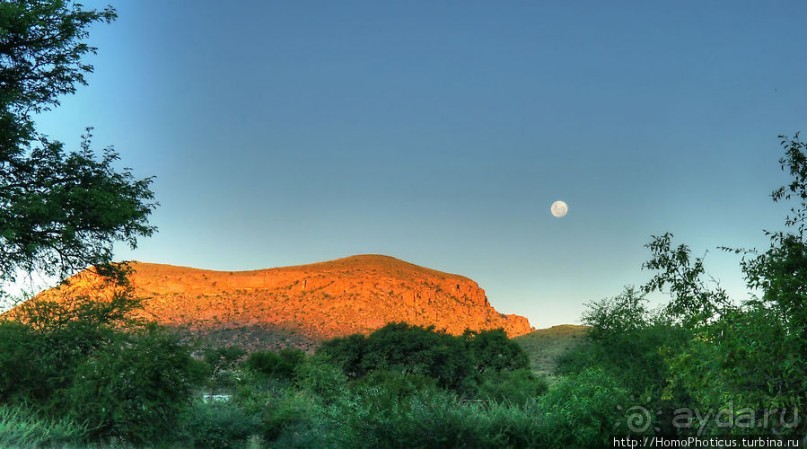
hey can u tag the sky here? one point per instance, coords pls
(286, 133)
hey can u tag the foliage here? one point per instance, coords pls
(631, 342)
(514, 387)
(547, 347)
(222, 366)
(417, 350)
(692, 301)
(18, 343)
(278, 365)
(89, 311)
(383, 390)
(42, 46)
(347, 353)
(492, 350)
(222, 425)
(781, 274)
(294, 420)
(429, 418)
(319, 377)
(748, 356)
(135, 387)
(452, 361)
(48, 339)
(582, 410)
(285, 415)
(38, 364)
(59, 210)
(21, 428)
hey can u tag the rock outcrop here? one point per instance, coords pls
(323, 300)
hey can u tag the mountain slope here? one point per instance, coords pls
(545, 346)
(312, 302)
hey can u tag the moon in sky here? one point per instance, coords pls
(559, 209)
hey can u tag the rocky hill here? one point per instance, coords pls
(309, 303)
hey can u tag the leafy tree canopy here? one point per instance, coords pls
(60, 210)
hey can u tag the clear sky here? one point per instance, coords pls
(284, 133)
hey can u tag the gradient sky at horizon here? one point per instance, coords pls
(285, 133)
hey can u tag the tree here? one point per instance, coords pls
(60, 210)
(692, 301)
(493, 351)
(748, 356)
(404, 348)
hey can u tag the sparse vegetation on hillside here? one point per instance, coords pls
(545, 347)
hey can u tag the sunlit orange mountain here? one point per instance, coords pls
(304, 304)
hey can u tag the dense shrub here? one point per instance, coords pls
(221, 425)
(37, 365)
(222, 358)
(429, 419)
(418, 350)
(19, 380)
(454, 362)
(584, 410)
(294, 419)
(347, 353)
(515, 387)
(277, 365)
(516, 426)
(221, 367)
(493, 351)
(375, 418)
(321, 378)
(390, 387)
(135, 387)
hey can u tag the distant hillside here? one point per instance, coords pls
(544, 346)
(302, 305)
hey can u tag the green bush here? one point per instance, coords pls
(134, 388)
(220, 425)
(391, 387)
(454, 362)
(20, 370)
(584, 410)
(277, 365)
(493, 351)
(347, 353)
(405, 348)
(294, 419)
(431, 419)
(319, 377)
(37, 365)
(418, 350)
(427, 419)
(514, 387)
(515, 426)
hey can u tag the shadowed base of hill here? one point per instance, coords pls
(545, 346)
(250, 338)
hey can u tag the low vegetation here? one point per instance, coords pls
(546, 347)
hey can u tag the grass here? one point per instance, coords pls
(545, 346)
(20, 428)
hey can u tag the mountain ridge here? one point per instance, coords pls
(313, 302)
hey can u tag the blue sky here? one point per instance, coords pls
(440, 133)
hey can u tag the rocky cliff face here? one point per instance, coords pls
(353, 295)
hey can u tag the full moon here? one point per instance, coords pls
(559, 209)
